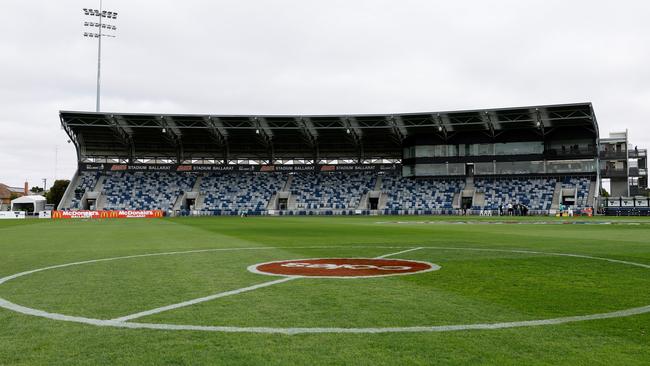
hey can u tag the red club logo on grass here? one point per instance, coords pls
(342, 267)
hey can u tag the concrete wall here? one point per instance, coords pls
(618, 187)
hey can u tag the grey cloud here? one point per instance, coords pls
(291, 56)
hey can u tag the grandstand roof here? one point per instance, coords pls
(192, 137)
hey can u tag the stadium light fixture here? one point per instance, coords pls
(101, 31)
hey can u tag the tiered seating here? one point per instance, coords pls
(422, 195)
(87, 182)
(335, 190)
(582, 189)
(145, 190)
(536, 194)
(237, 192)
(329, 193)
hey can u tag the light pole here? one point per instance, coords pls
(99, 34)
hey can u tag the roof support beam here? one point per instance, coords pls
(352, 129)
(397, 128)
(489, 118)
(218, 134)
(310, 134)
(172, 135)
(441, 122)
(75, 139)
(125, 134)
(215, 134)
(265, 135)
(539, 116)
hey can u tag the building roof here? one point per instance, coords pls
(6, 191)
(187, 137)
(29, 199)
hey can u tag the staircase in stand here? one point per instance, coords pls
(194, 194)
(557, 193)
(592, 194)
(285, 192)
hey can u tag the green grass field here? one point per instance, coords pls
(472, 287)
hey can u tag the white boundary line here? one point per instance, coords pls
(290, 331)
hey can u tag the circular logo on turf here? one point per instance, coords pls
(342, 267)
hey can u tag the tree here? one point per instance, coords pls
(55, 194)
(36, 189)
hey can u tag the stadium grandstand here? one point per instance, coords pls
(534, 160)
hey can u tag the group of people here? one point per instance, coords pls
(511, 209)
(573, 149)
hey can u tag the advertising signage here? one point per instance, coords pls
(112, 214)
(236, 168)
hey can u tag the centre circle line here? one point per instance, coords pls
(226, 293)
(292, 330)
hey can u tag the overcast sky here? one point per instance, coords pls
(313, 57)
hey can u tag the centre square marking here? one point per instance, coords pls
(343, 267)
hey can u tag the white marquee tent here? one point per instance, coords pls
(33, 203)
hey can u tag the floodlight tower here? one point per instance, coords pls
(99, 34)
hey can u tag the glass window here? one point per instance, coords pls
(570, 166)
(519, 148)
(424, 151)
(520, 167)
(484, 168)
(456, 169)
(461, 149)
(452, 150)
(440, 150)
(423, 170)
(485, 149)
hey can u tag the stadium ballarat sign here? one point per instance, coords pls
(114, 214)
(10, 215)
(236, 168)
(342, 267)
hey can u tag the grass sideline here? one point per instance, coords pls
(470, 287)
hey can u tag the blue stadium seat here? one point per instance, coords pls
(87, 182)
(535, 193)
(145, 190)
(235, 192)
(335, 190)
(420, 194)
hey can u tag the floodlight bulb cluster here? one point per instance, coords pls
(103, 13)
(103, 26)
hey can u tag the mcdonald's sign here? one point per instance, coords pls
(111, 214)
